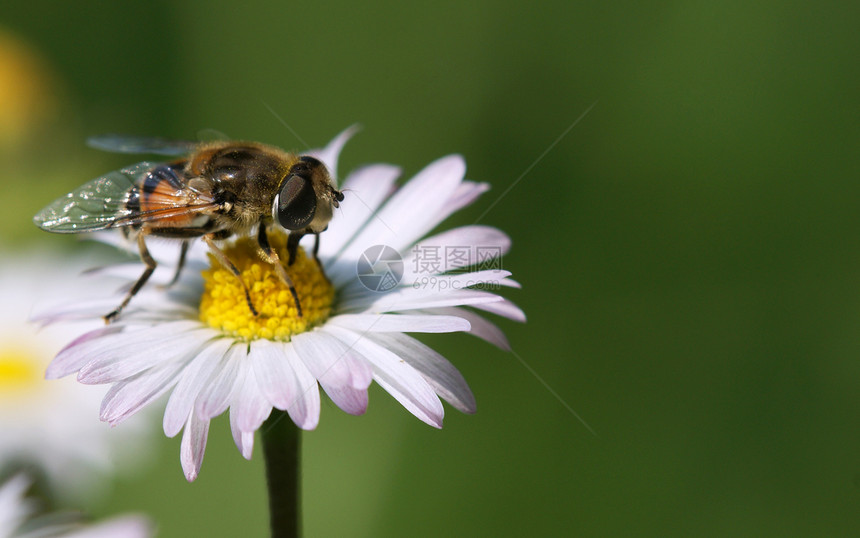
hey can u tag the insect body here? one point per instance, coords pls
(214, 191)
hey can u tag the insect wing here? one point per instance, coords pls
(95, 205)
(141, 144)
(165, 198)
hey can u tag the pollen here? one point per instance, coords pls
(224, 307)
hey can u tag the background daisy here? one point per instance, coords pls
(19, 518)
(48, 426)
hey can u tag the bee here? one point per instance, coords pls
(210, 191)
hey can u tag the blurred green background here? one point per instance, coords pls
(689, 251)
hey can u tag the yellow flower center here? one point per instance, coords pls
(224, 307)
(18, 371)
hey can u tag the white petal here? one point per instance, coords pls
(114, 239)
(127, 397)
(244, 440)
(504, 308)
(330, 362)
(118, 527)
(438, 283)
(164, 251)
(14, 508)
(396, 376)
(305, 412)
(140, 350)
(466, 193)
(216, 396)
(355, 294)
(342, 373)
(77, 311)
(411, 299)
(249, 405)
(274, 376)
(400, 323)
(194, 379)
(193, 446)
(399, 223)
(329, 154)
(348, 399)
(163, 274)
(475, 245)
(364, 191)
(74, 356)
(445, 379)
(480, 326)
(286, 382)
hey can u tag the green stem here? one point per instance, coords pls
(281, 450)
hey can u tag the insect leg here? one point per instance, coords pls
(293, 245)
(271, 256)
(316, 252)
(225, 261)
(150, 267)
(317, 258)
(182, 252)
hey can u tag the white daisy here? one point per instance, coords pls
(201, 343)
(17, 511)
(50, 425)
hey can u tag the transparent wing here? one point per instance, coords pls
(113, 201)
(95, 205)
(141, 144)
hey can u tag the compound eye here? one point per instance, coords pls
(296, 204)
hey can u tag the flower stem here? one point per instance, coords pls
(281, 450)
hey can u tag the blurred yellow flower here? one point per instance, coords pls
(27, 95)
